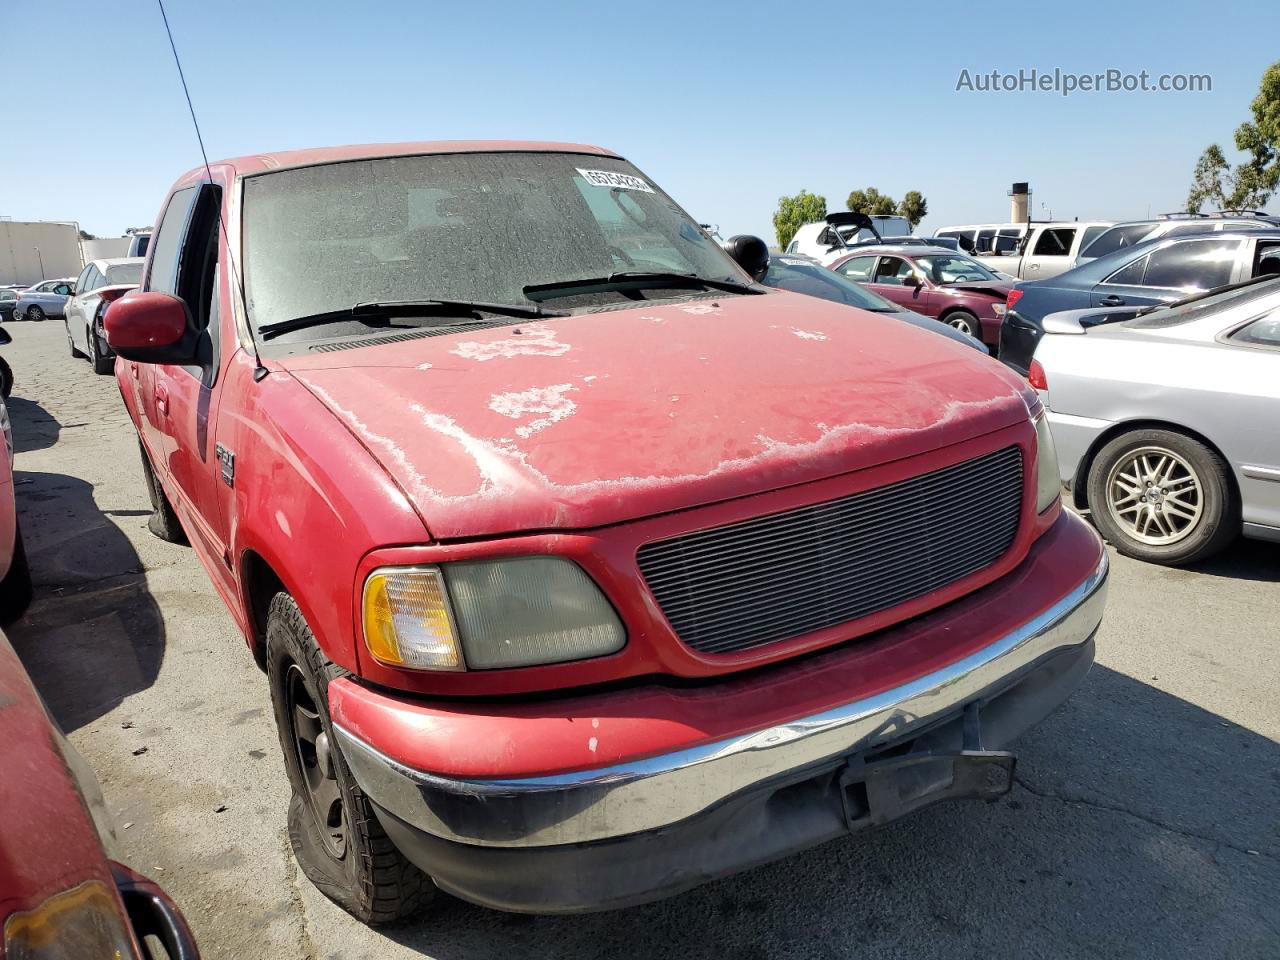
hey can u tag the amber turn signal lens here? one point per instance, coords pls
(407, 620)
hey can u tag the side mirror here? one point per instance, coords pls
(911, 280)
(150, 328)
(750, 253)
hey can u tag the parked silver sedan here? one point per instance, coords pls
(1166, 424)
(44, 299)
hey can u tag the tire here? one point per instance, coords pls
(334, 832)
(965, 322)
(101, 365)
(1163, 497)
(35, 313)
(71, 344)
(163, 522)
(15, 588)
(6, 379)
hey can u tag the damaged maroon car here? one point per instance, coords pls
(582, 568)
(936, 282)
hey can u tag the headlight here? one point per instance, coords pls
(82, 922)
(502, 613)
(1048, 481)
(998, 308)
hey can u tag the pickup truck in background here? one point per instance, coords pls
(582, 568)
(1049, 249)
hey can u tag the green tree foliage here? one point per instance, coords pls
(871, 201)
(794, 212)
(913, 207)
(1249, 184)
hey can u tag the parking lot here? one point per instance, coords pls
(1144, 822)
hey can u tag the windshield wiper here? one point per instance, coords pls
(635, 279)
(385, 309)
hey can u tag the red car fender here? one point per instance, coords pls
(307, 500)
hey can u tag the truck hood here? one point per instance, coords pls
(593, 419)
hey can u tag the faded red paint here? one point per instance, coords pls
(583, 436)
(654, 409)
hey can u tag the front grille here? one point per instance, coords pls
(759, 581)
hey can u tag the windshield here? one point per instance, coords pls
(801, 276)
(125, 273)
(469, 226)
(954, 269)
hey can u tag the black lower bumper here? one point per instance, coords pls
(765, 823)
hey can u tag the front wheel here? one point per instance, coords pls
(1162, 497)
(334, 832)
(965, 322)
(6, 379)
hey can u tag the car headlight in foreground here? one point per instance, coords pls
(519, 612)
(1048, 481)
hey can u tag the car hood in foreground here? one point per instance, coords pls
(594, 419)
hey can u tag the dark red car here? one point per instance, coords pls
(582, 568)
(936, 282)
(61, 898)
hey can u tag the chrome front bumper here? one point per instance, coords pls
(630, 798)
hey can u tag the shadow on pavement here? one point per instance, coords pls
(1142, 826)
(34, 428)
(93, 634)
(1244, 560)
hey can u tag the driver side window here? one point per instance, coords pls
(82, 281)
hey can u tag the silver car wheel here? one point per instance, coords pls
(1154, 496)
(961, 323)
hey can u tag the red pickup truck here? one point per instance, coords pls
(583, 569)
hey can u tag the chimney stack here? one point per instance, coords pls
(1020, 203)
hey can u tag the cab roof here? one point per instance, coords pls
(286, 159)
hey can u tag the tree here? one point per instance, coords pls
(794, 212)
(913, 207)
(871, 201)
(1251, 183)
(86, 235)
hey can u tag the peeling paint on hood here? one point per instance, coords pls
(582, 421)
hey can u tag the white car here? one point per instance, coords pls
(829, 239)
(99, 283)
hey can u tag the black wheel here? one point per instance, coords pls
(6, 379)
(965, 322)
(35, 312)
(15, 588)
(100, 364)
(1162, 497)
(163, 522)
(71, 344)
(335, 834)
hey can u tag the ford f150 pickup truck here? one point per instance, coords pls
(582, 568)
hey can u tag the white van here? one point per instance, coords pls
(1051, 248)
(986, 239)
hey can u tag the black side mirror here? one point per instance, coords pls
(750, 253)
(911, 280)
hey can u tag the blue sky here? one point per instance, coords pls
(726, 105)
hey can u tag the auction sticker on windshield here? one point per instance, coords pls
(606, 178)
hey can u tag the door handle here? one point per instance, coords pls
(162, 400)
(1113, 301)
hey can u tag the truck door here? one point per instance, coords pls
(1048, 254)
(186, 397)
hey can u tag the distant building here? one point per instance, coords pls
(31, 252)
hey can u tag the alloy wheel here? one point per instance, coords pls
(961, 323)
(315, 760)
(1155, 496)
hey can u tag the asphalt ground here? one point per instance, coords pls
(1145, 821)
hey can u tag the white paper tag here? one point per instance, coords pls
(605, 178)
(796, 263)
